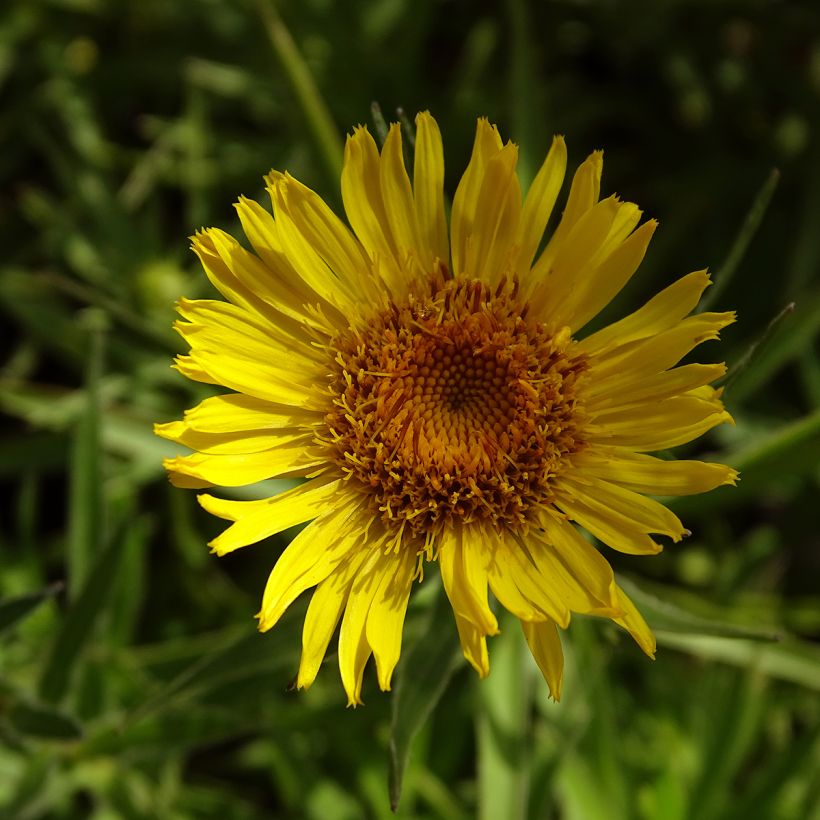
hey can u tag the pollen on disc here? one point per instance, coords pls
(454, 405)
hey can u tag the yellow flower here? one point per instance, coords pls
(436, 390)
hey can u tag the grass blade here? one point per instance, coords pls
(425, 673)
(13, 610)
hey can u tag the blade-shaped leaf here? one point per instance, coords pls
(424, 676)
(13, 610)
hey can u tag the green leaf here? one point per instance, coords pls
(42, 721)
(79, 621)
(671, 617)
(744, 237)
(247, 655)
(85, 503)
(423, 677)
(13, 610)
(503, 725)
(791, 660)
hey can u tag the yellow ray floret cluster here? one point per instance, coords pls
(436, 389)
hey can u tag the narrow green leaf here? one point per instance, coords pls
(744, 237)
(422, 679)
(42, 721)
(318, 118)
(784, 343)
(672, 617)
(79, 621)
(791, 660)
(13, 610)
(85, 504)
(503, 724)
(246, 655)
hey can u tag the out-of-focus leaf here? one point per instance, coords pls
(42, 721)
(13, 610)
(85, 502)
(790, 660)
(79, 621)
(422, 679)
(247, 655)
(503, 726)
(670, 616)
(741, 244)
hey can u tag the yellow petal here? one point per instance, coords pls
(627, 389)
(428, 189)
(324, 232)
(539, 203)
(545, 645)
(362, 196)
(238, 443)
(463, 566)
(583, 194)
(292, 457)
(385, 619)
(487, 144)
(633, 622)
(235, 412)
(647, 474)
(473, 645)
(603, 282)
(658, 425)
(256, 520)
(322, 617)
(397, 195)
(257, 378)
(354, 649)
(495, 222)
(660, 313)
(311, 557)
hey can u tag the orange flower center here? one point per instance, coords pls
(454, 405)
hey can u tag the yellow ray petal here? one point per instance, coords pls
(311, 557)
(630, 388)
(660, 313)
(581, 575)
(397, 195)
(601, 283)
(322, 617)
(361, 193)
(647, 474)
(658, 425)
(236, 412)
(354, 649)
(257, 378)
(385, 619)
(645, 513)
(293, 457)
(324, 232)
(428, 190)
(256, 520)
(487, 144)
(463, 567)
(583, 194)
(538, 205)
(489, 248)
(238, 443)
(633, 622)
(473, 645)
(517, 582)
(660, 352)
(545, 645)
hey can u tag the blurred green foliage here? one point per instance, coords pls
(132, 682)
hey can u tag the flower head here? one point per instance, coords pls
(436, 389)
